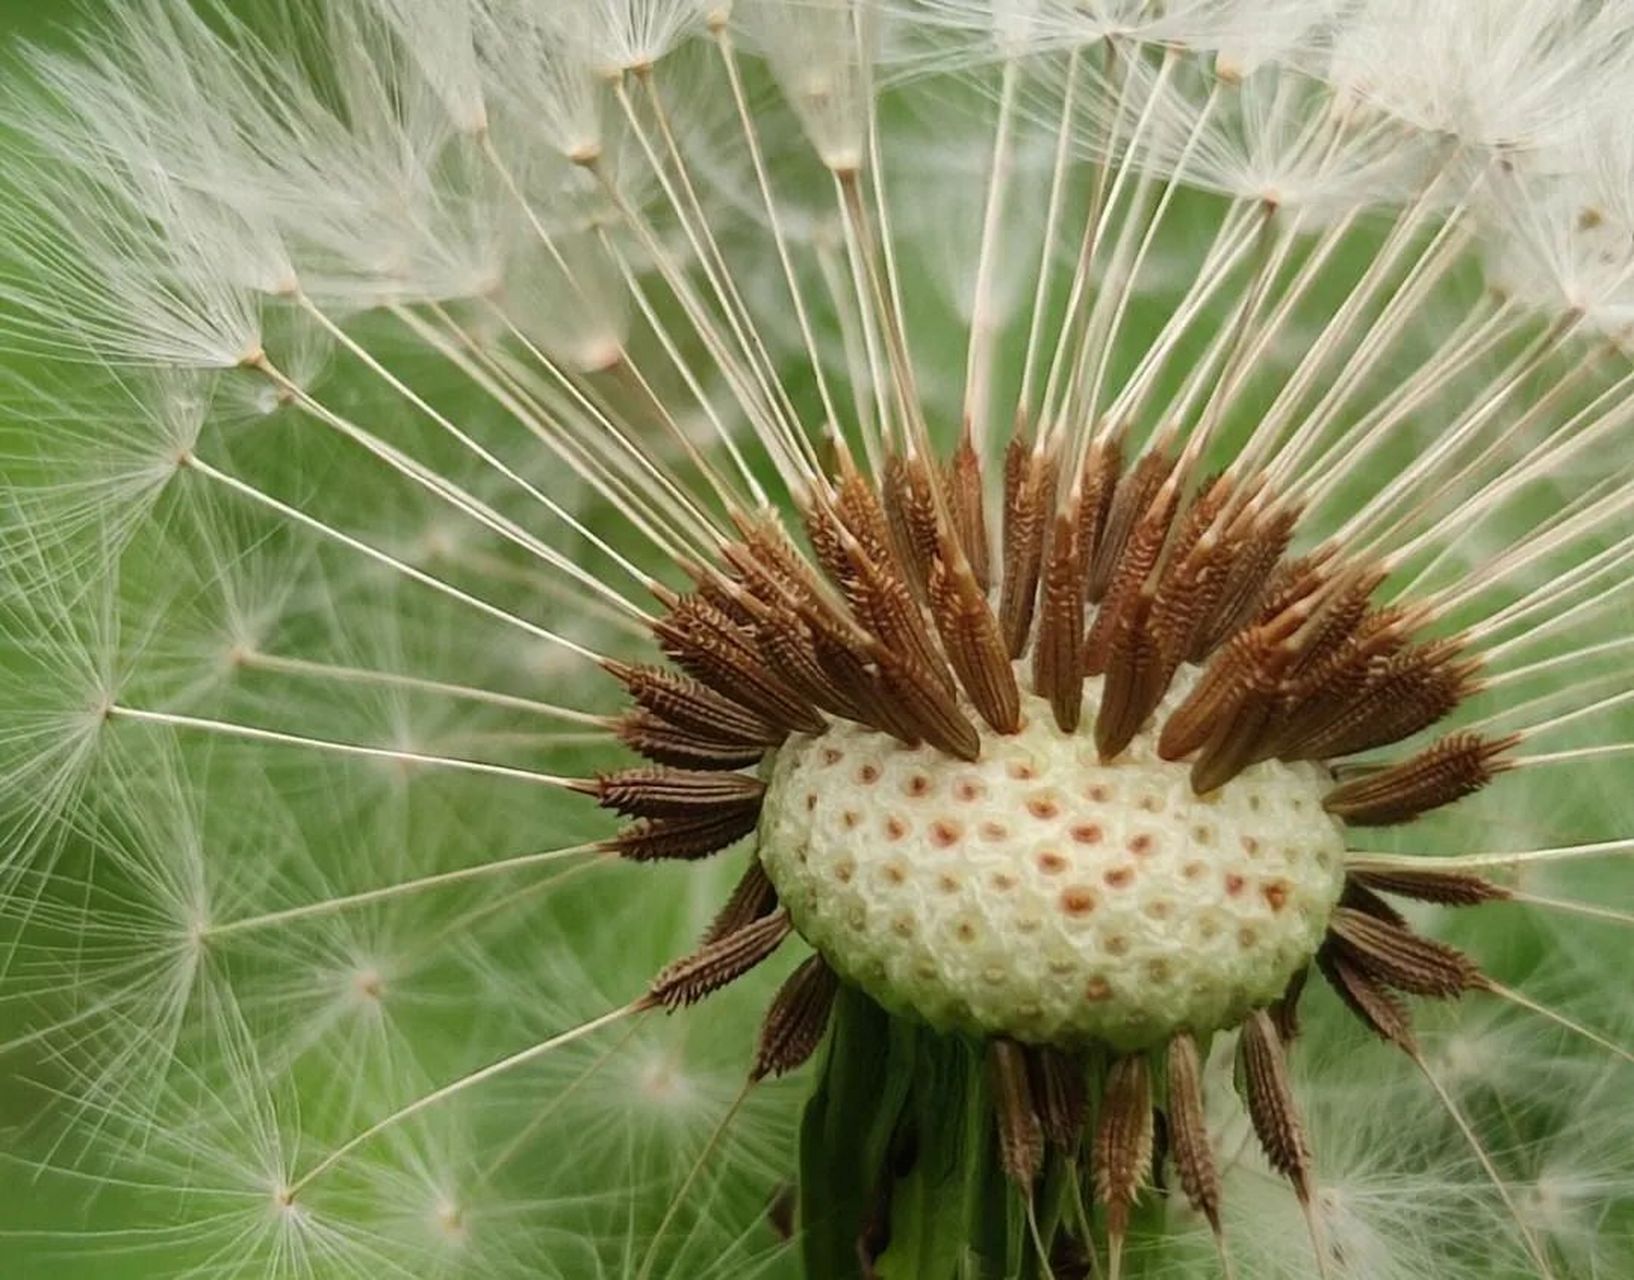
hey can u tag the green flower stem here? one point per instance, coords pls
(899, 1160)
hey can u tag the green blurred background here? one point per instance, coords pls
(23, 20)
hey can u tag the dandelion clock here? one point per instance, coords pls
(904, 639)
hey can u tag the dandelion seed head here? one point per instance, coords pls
(482, 462)
(1510, 78)
(531, 56)
(823, 56)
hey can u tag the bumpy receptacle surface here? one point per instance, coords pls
(1041, 895)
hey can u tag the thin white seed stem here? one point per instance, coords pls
(1576, 754)
(1588, 910)
(650, 1257)
(855, 302)
(278, 737)
(537, 1121)
(1236, 236)
(531, 1054)
(1528, 1237)
(258, 660)
(873, 283)
(726, 287)
(1481, 407)
(1046, 248)
(1127, 277)
(1559, 1019)
(1570, 717)
(466, 503)
(774, 221)
(745, 384)
(1083, 268)
(894, 315)
(403, 888)
(466, 441)
(1558, 660)
(683, 368)
(1530, 550)
(1487, 861)
(984, 327)
(195, 464)
(616, 488)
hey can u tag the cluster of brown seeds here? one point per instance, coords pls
(1127, 574)
(896, 620)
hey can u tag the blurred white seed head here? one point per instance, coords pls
(823, 54)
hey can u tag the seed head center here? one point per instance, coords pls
(1041, 894)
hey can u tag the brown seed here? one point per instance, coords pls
(721, 593)
(925, 704)
(910, 512)
(1021, 1137)
(718, 963)
(1135, 679)
(1131, 578)
(1285, 1012)
(1102, 473)
(1185, 598)
(1448, 770)
(1241, 732)
(1445, 888)
(1339, 615)
(1201, 516)
(796, 1020)
(1321, 695)
(1196, 568)
(663, 743)
(774, 568)
(1294, 581)
(658, 791)
(1225, 684)
(1029, 496)
(972, 641)
(1261, 546)
(687, 704)
(1058, 661)
(1271, 1105)
(1359, 897)
(859, 506)
(886, 608)
(788, 642)
(1059, 1096)
(1394, 955)
(1400, 696)
(714, 649)
(842, 651)
(648, 839)
(1123, 1142)
(1131, 498)
(1188, 1130)
(1377, 1009)
(968, 509)
(752, 898)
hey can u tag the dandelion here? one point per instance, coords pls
(821, 637)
